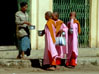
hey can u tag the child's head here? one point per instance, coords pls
(73, 15)
(48, 15)
(55, 16)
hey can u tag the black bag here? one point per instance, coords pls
(28, 52)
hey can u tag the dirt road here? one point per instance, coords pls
(63, 70)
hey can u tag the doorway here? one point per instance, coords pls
(8, 26)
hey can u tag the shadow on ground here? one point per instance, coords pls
(38, 63)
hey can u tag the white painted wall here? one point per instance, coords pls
(42, 8)
(38, 9)
(93, 23)
(98, 24)
(33, 34)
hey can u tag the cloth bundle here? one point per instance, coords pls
(60, 40)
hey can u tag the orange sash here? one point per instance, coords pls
(58, 26)
(51, 60)
(49, 25)
(79, 29)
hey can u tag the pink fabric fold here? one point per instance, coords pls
(73, 41)
(49, 46)
(63, 50)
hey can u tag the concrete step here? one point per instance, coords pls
(84, 61)
(12, 52)
(8, 54)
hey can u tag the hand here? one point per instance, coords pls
(41, 33)
(27, 23)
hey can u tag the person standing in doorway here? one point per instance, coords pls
(22, 31)
(74, 30)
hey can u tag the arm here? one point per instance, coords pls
(43, 32)
(65, 28)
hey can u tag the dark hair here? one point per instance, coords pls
(23, 4)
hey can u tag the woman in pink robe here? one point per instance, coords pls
(74, 29)
(60, 27)
(50, 49)
(49, 46)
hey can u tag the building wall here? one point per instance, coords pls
(38, 9)
(93, 23)
(42, 8)
(98, 24)
(33, 35)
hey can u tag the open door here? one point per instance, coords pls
(8, 26)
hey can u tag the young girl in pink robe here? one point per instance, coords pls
(49, 46)
(60, 27)
(74, 29)
(50, 53)
(62, 50)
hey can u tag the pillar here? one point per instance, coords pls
(33, 13)
(93, 23)
(98, 24)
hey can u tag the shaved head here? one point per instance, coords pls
(49, 14)
(56, 14)
(73, 14)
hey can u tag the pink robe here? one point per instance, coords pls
(49, 46)
(63, 50)
(73, 41)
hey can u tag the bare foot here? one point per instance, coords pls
(18, 57)
(51, 69)
(23, 58)
(57, 67)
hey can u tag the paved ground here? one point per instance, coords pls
(63, 70)
(88, 62)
